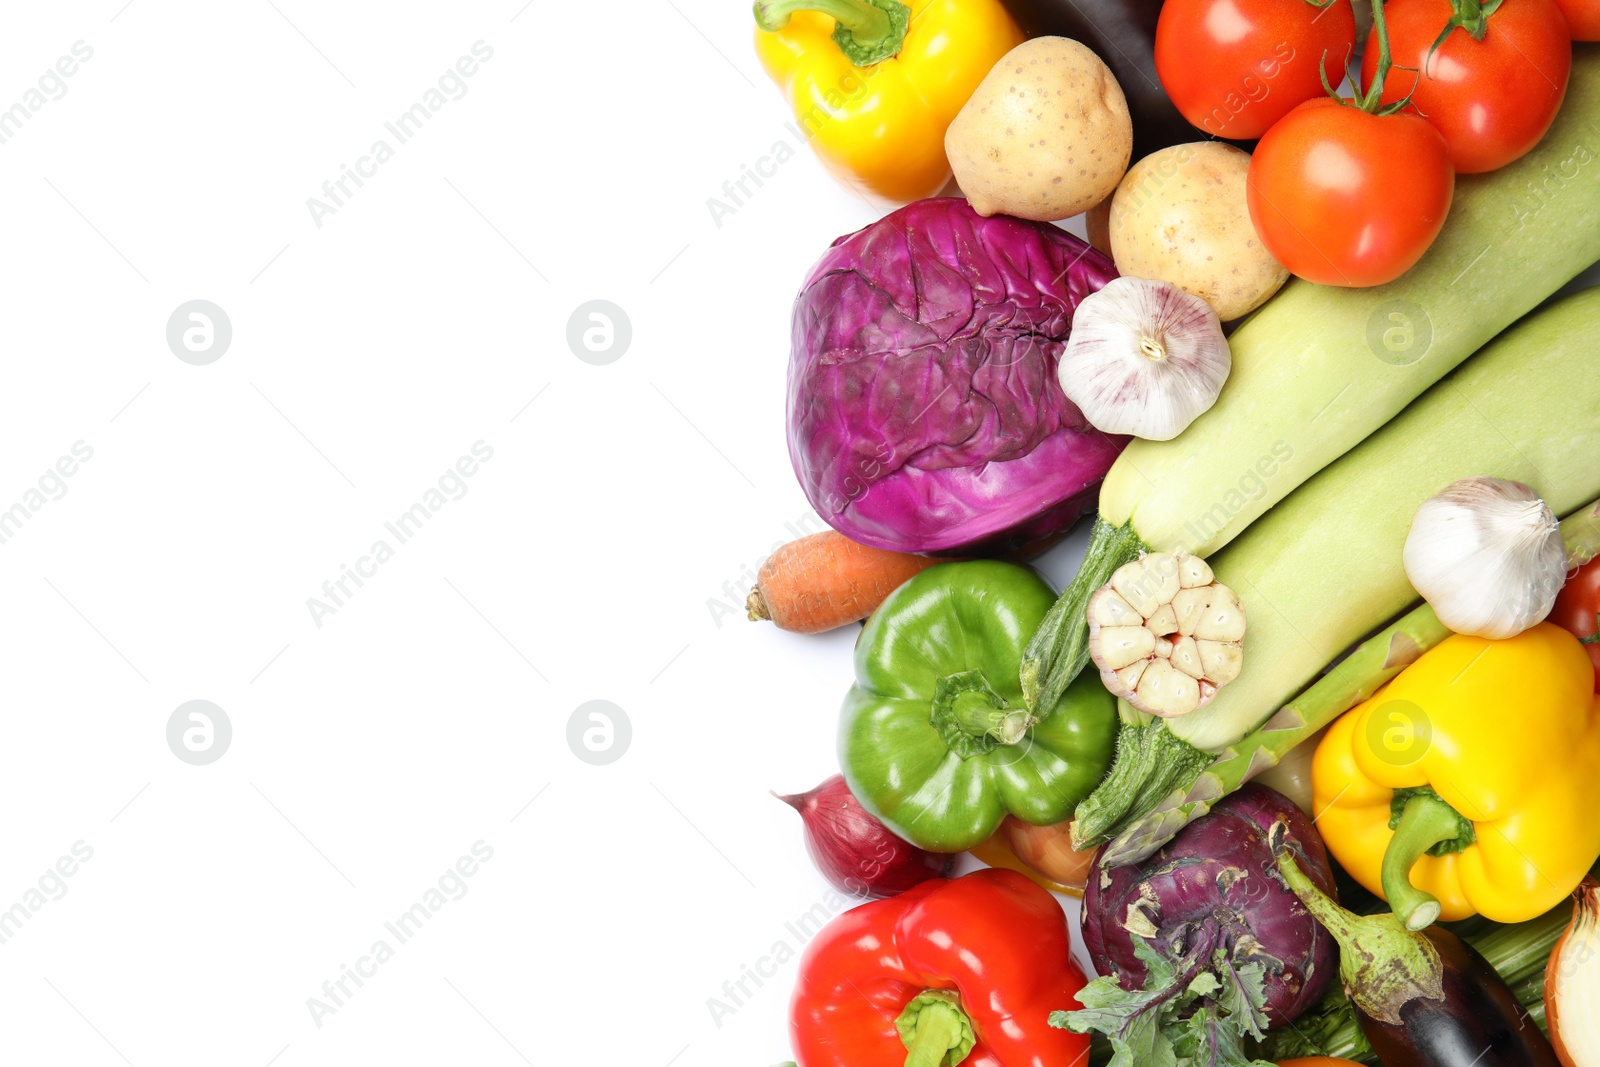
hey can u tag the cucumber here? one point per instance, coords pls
(1324, 567)
(1318, 368)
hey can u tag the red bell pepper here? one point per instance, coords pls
(964, 970)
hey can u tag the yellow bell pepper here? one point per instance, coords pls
(1471, 782)
(874, 83)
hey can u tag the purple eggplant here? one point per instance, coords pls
(1423, 999)
(1215, 888)
(924, 410)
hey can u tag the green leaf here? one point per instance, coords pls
(1161, 972)
(1107, 1008)
(1203, 1023)
(1243, 996)
(1210, 1040)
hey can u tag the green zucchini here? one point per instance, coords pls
(1324, 567)
(1319, 368)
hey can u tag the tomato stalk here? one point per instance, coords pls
(1369, 101)
(1469, 15)
(1374, 95)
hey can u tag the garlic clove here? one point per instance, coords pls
(1220, 660)
(1186, 657)
(1486, 553)
(1128, 677)
(1194, 572)
(1144, 358)
(1164, 621)
(1108, 608)
(1123, 645)
(1189, 605)
(1130, 582)
(1223, 619)
(1166, 691)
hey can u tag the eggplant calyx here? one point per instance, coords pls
(1423, 823)
(1384, 965)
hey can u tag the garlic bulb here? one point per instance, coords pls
(1486, 554)
(1144, 358)
(1165, 633)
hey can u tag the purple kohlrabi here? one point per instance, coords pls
(1215, 886)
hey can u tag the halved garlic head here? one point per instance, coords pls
(1166, 634)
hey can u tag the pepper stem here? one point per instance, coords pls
(1425, 821)
(1384, 966)
(972, 718)
(867, 31)
(934, 1029)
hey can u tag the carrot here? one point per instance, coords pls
(827, 580)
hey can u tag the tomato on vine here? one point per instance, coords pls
(1491, 82)
(1351, 193)
(1583, 18)
(1235, 67)
(1577, 611)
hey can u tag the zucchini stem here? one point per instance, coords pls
(1150, 764)
(1059, 648)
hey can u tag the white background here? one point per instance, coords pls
(430, 711)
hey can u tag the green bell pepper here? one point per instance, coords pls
(935, 739)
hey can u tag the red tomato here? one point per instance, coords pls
(1492, 99)
(1234, 67)
(1583, 18)
(1577, 611)
(1344, 197)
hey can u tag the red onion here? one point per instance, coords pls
(855, 852)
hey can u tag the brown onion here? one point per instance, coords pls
(1572, 982)
(855, 852)
(1048, 850)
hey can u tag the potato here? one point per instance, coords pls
(1045, 136)
(1180, 216)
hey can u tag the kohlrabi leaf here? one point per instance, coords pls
(1242, 995)
(1208, 1039)
(1196, 1018)
(1160, 972)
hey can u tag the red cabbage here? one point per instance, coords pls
(924, 410)
(1216, 882)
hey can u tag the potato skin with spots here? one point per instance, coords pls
(1180, 216)
(1046, 135)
